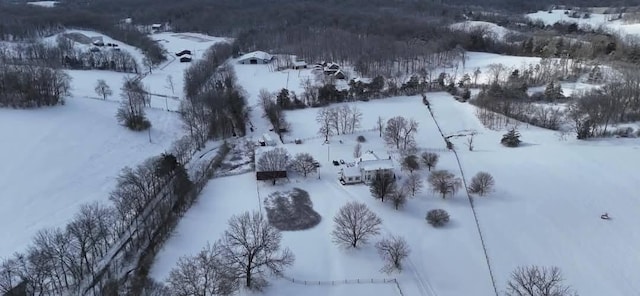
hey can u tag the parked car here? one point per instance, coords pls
(342, 161)
(336, 163)
(316, 164)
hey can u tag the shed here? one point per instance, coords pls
(271, 175)
(297, 65)
(256, 57)
(339, 75)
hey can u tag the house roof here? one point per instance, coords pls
(261, 55)
(352, 171)
(379, 164)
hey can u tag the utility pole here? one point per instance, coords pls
(149, 132)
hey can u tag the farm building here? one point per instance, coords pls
(339, 75)
(366, 169)
(256, 57)
(276, 168)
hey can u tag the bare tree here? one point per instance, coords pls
(148, 63)
(444, 182)
(357, 150)
(131, 111)
(538, 281)
(430, 159)
(103, 89)
(170, 84)
(250, 247)
(380, 125)
(354, 224)
(325, 121)
(399, 197)
(470, 141)
(203, 274)
(410, 162)
(393, 250)
(400, 132)
(275, 159)
(413, 183)
(482, 183)
(382, 185)
(303, 163)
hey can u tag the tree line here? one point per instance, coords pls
(28, 86)
(214, 105)
(70, 258)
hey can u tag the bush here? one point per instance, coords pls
(361, 139)
(438, 217)
(292, 210)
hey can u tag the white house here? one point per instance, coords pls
(256, 57)
(366, 169)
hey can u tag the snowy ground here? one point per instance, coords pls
(498, 32)
(596, 20)
(65, 156)
(44, 3)
(545, 211)
(61, 157)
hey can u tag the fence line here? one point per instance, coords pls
(392, 281)
(473, 208)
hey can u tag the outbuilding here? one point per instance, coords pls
(185, 58)
(254, 58)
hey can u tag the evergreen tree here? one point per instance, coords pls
(550, 92)
(283, 99)
(511, 139)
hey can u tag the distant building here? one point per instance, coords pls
(267, 140)
(339, 75)
(256, 57)
(185, 58)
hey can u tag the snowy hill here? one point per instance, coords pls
(594, 21)
(496, 31)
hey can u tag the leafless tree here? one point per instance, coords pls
(325, 121)
(410, 163)
(131, 112)
(251, 247)
(170, 84)
(303, 163)
(444, 182)
(393, 250)
(380, 125)
(382, 185)
(203, 274)
(275, 159)
(496, 71)
(357, 150)
(482, 183)
(538, 281)
(103, 89)
(399, 197)
(355, 224)
(470, 141)
(400, 132)
(148, 63)
(430, 159)
(413, 183)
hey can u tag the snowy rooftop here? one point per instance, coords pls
(350, 171)
(379, 164)
(299, 63)
(256, 54)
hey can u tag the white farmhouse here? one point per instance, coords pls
(366, 169)
(256, 57)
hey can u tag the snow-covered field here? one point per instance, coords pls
(57, 158)
(44, 3)
(596, 20)
(496, 31)
(545, 211)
